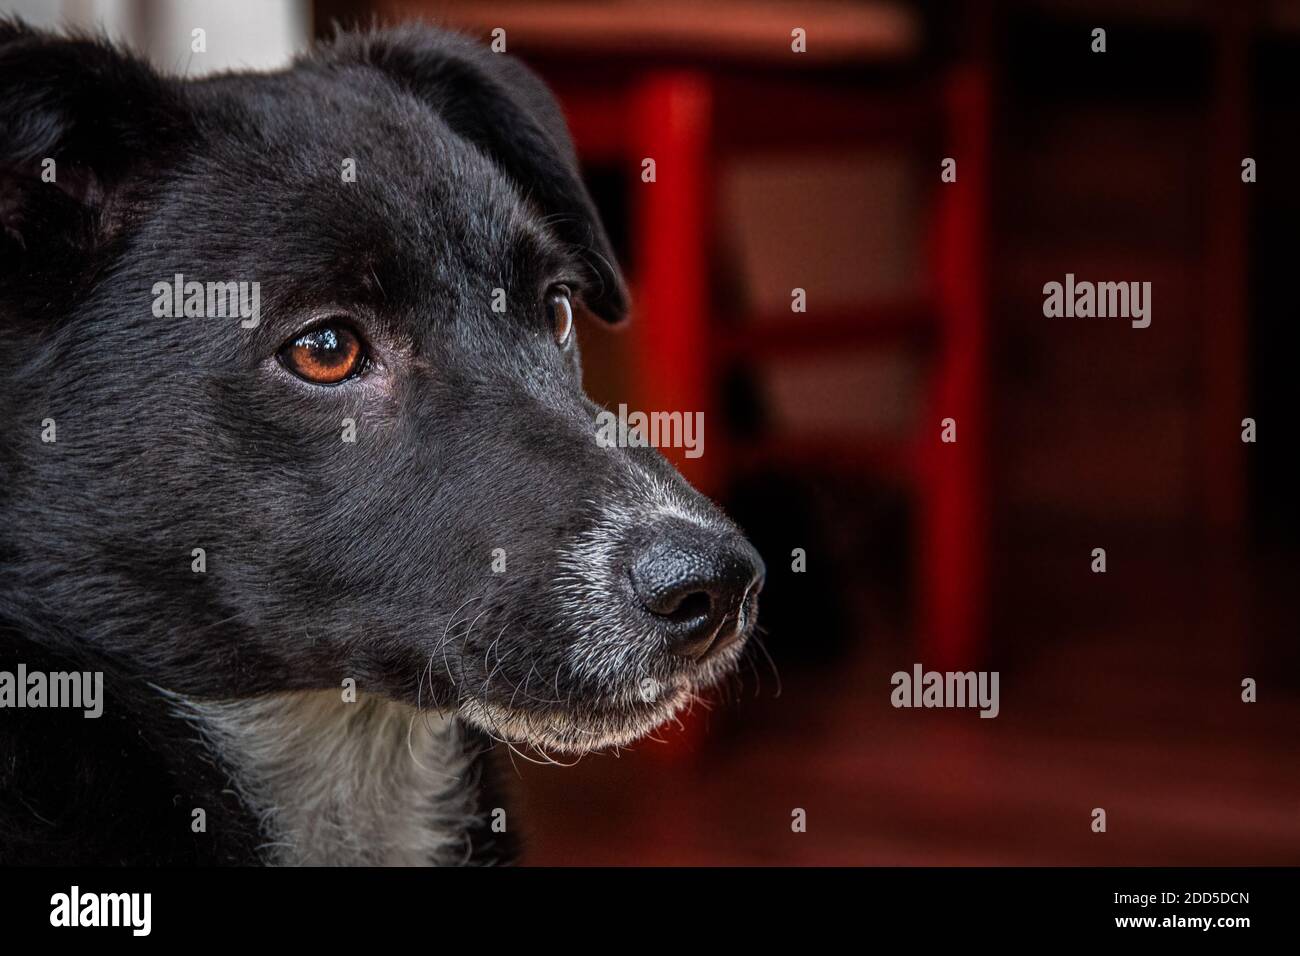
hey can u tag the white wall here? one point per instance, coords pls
(257, 34)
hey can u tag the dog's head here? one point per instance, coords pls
(384, 468)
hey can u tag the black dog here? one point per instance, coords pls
(383, 477)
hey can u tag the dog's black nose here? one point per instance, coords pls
(699, 584)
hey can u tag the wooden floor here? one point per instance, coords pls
(1144, 720)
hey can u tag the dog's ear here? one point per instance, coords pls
(498, 104)
(78, 119)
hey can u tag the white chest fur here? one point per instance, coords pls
(333, 783)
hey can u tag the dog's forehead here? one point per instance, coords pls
(347, 126)
(363, 181)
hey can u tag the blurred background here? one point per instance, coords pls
(820, 171)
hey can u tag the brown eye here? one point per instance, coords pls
(560, 310)
(326, 355)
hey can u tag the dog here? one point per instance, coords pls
(330, 544)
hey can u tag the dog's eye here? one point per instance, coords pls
(325, 355)
(559, 308)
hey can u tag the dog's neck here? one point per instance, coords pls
(370, 782)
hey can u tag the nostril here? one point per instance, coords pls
(689, 607)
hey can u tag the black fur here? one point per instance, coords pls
(325, 560)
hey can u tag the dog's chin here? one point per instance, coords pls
(609, 721)
(573, 731)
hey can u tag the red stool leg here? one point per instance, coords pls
(955, 499)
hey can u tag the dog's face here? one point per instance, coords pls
(391, 469)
